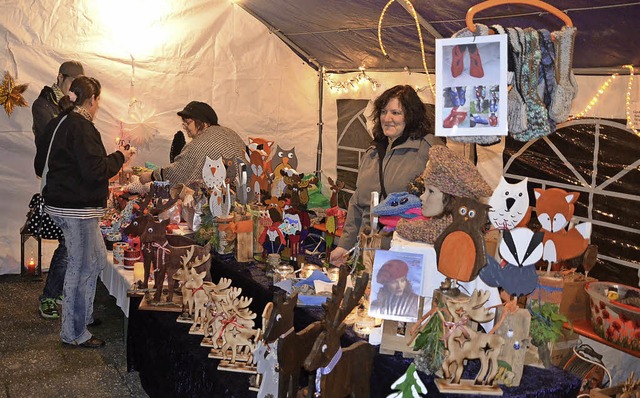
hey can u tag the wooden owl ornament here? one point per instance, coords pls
(460, 248)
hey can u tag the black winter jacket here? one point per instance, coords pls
(44, 108)
(79, 167)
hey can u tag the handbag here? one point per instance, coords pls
(39, 223)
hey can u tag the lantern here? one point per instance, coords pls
(30, 254)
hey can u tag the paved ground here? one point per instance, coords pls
(34, 363)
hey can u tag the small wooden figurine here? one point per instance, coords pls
(292, 347)
(341, 372)
(462, 343)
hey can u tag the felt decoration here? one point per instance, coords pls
(397, 203)
(454, 175)
(408, 385)
(335, 187)
(297, 189)
(510, 205)
(461, 248)
(554, 208)
(567, 87)
(521, 249)
(11, 94)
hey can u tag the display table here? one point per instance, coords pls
(171, 362)
(118, 281)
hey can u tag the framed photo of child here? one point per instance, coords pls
(471, 86)
(396, 285)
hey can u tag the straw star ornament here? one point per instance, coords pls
(11, 94)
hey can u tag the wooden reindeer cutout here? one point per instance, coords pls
(292, 347)
(215, 313)
(238, 333)
(462, 342)
(168, 257)
(191, 283)
(341, 372)
(266, 361)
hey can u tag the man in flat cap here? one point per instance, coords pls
(51, 101)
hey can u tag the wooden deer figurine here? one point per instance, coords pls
(190, 283)
(168, 257)
(237, 330)
(292, 347)
(463, 342)
(215, 314)
(341, 372)
(335, 188)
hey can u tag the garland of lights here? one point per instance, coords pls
(604, 88)
(415, 17)
(595, 98)
(628, 100)
(353, 83)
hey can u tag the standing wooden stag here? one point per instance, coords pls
(463, 342)
(341, 372)
(292, 347)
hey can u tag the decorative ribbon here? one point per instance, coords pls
(232, 321)
(323, 371)
(193, 291)
(160, 249)
(452, 326)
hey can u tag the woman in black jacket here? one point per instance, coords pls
(76, 186)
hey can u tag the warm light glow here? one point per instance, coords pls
(414, 13)
(31, 266)
(595, 98)
(133, 26)
(630, 124)
(354, 83)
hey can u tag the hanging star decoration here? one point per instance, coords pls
(11, 94)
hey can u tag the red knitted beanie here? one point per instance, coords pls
(392, 269)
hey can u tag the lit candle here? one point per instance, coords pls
(31, 267)
(138, 271)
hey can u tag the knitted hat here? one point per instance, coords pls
(71, 69)
(454, 175)
(392, 269)
(199, 111)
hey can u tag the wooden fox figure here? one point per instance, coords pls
(554, 208)
(258, 152)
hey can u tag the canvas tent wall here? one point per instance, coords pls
(261, 78)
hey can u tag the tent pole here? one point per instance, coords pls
(320, 123)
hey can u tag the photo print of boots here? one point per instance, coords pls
(471, 86)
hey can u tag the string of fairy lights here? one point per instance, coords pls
(353, 83)
(603, 88)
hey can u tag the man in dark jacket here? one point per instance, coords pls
(47, 106)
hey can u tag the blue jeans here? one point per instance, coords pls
(55, 278)
(86, 257)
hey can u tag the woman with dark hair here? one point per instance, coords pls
(402, 136)
(75, 171)
(396, 298)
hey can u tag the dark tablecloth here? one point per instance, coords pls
(171, 362)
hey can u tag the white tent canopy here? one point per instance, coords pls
(154, 56)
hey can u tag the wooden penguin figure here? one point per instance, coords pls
(460, 248)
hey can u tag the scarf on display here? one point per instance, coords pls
(567, 88)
